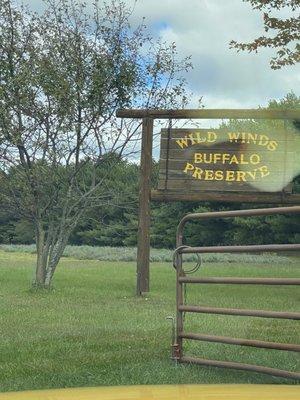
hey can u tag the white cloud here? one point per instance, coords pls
(203, 29)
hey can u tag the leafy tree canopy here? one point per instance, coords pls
(282, 34)
(63, 74)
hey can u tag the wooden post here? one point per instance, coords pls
(143, 249)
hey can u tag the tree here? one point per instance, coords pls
(287, 32)
(113, 225)
(63, 74)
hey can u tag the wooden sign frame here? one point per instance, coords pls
(145, 194)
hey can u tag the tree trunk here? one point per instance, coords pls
(40, 263)
(55, 254)
(50, 247)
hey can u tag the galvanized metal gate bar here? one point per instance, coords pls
(242, 249)
(182, 308)
(243, 281)
(240, 312)
(241, 342)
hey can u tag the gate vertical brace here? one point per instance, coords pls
(143, 243)
(179, 299)
(179, 314)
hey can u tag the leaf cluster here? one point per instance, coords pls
(286, 32)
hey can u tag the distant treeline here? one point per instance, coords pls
(115, 224)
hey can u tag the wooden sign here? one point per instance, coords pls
(219, 160)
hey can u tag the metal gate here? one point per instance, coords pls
(182, 279)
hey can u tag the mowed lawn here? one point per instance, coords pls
(91, 330)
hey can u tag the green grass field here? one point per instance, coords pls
(91, 330)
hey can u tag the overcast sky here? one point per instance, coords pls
(203, 29)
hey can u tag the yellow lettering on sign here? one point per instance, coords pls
(211, 137)
(209, 175)
(188, 167)
(224, 158)
(242, 160)
(197, 173)
(263, 140)
(272, 145)
(183, 142)
(219, 175)
(217, 157)
(254, 159)
(252, 174)
(207, 158)
(233, 136)
(197, 138)
(229, 176)
(264, 171)
(241, 176)
(192, 139)
(235, 163)
(252, 138)
(198, 158)
(234, 160)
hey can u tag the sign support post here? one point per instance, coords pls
(143, 245)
